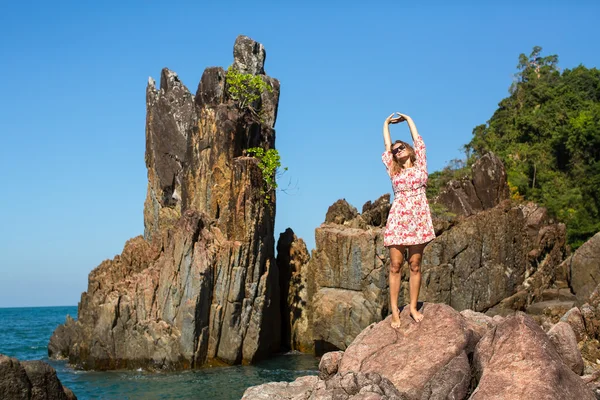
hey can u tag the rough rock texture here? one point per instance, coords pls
(329, 364)
(376, 213)
(593, 382)
(565, 341)
(340, 212)
(516, 360)
(498, 260)
(478, 262)
(419, 359)
(584, 268)
(30, 380)
(478, 323)
(348, 386)
(347, 284)
(574, 318)
(484, 261)
(292, 261)
(249, 56)
(202, 284)
(485, 189)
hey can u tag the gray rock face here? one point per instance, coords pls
(485, 189)
(376, 213)
(460, 197)
(340, 212)
(584, 268)
(249, 56)
(30, 380)
(292, 262)
(489, 180)
(202, 284)
(347, 284)
(170, 118)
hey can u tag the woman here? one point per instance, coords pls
(409, 223)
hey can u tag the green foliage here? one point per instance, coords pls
(245, 88)
(455, 170)
(439, 211)
(269, 162)
(547, 132)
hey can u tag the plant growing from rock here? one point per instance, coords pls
(245, 88)
(269, 162)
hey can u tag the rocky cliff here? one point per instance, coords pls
(501, 258)
(202, 283)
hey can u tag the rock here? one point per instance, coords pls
(554, 308)
(591, 320)
(328, 366)
(202, 283)
(563, 294)
(376, 214)
(425, 358)
(516, 360)
(347, 284)
(171, 117)
(565, 341)
(340, 212)
(486, 188)
(340, 387)
(30, 380)
(478, 323)
(460, 197)
(593, 382)
(338, 316)
(489, 181)
(584, 267)
(477, 263)
(574, 318)
(292, 261)
(249, 56)
(301, 388)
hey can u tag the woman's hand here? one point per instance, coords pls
(394, 120)
(402, 117)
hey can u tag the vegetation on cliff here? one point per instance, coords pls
(547, 133)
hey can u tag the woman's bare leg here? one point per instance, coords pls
(396, 261)
(415, 253)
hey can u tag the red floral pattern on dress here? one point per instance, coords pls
(409, 221)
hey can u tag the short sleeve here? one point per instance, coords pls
(419, 146)
(387, 159)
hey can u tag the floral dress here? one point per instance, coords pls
(409, 221)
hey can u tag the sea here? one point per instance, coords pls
(25, 333)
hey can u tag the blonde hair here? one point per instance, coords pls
(396, 167)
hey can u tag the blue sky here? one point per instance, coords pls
(72, 114)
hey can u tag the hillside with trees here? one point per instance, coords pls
(547, 132)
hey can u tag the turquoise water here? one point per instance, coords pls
(26, 331)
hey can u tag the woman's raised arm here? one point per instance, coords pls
(387, 139)
(418, 143)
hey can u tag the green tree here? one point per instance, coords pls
(547, 132)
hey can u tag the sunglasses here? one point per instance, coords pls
(398, 149)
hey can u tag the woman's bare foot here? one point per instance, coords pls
(395, 319)
(417, 316)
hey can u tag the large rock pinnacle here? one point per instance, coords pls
(202, 284)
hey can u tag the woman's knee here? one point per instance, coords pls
(395, 266)
(415, 266)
